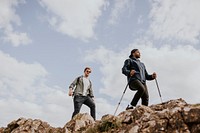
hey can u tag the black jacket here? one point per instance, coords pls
(131, 64)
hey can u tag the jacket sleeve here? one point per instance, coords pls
(74, 83)
(91, 94)
(148, 77)
(126, 67)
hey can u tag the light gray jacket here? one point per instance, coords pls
(77, 86)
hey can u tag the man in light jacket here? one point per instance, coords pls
(81, 89)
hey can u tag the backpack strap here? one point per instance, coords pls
(78, 79)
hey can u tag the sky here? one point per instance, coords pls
(46, 44)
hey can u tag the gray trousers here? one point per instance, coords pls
(142, 92)
(79, 101)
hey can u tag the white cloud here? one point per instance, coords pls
(17, 38)
(74, 18)
(178, 20)
(177, 70)
(119, 7)
(104, 107)
(25, 94)
(110, 67)
(8, 18)
(19, 75)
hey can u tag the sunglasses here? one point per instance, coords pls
(88, 71)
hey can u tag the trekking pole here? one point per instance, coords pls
(158, 90)
(121, 99)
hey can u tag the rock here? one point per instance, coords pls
(191, 113)
(80, 122)
(23, 125)
(174, 116)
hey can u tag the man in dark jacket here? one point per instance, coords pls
(137, 75)
(81, 89)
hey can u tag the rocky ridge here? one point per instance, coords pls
(174, 116)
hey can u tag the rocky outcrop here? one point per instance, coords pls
(23, 125)
(79, 123)
(174, 116)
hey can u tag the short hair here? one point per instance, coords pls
(132, 51)
(87, 68)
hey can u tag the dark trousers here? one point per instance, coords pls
(79, 101)
(142, 92)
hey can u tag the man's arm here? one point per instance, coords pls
(71, 87)
(126, 68)
(150, 77)
(70, 93)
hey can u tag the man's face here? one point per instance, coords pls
(136, 54)
(87, 72)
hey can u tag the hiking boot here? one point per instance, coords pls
(130, 107)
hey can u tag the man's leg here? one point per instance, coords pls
(145, 96)
(140, 91)
(90, 103)
(78, 101)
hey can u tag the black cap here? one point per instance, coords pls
(132, 51)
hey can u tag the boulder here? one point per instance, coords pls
(79, 123)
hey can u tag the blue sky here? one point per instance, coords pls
(46, 44)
